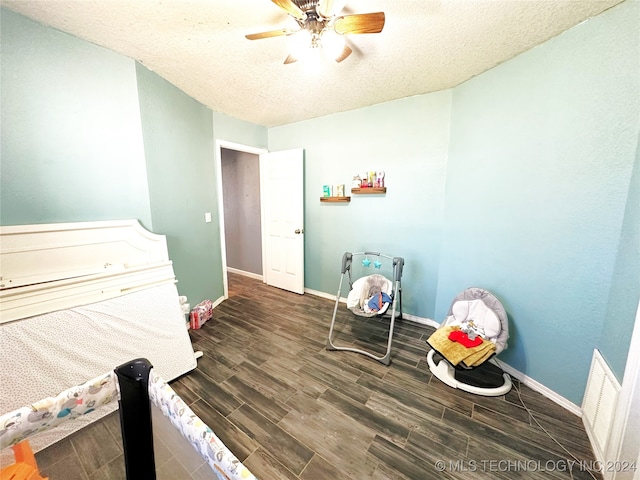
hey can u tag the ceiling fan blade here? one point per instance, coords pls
(360, 23)
(345, 53)
(272, 33)
(291, 8)
(328, 8)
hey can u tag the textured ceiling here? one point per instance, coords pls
(200, 46)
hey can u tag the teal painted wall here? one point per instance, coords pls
(615, 334)
(71, 144)
(237, 131)
(89, 135)
(407, 139)
(178, 139)
(523, 180)
(540, 169)
(519, 181)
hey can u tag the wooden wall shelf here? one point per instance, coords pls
(335, 199)
(369, 191)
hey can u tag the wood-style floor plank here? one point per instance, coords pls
(241, 444)
(283, 446)
(261, 461)
(290, 409)
(338, 438)
(401, 460)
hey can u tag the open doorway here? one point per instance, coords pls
(240, 211)
(264, 219)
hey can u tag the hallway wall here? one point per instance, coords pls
(242, 219)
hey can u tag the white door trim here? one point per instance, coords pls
(220, 144)
(624, 440)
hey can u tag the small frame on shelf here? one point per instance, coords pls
(369, 191)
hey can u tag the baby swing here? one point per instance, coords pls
(475, 330)
(372, 295)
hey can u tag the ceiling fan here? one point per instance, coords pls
(320, 27)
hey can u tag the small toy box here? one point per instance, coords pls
(200, 314)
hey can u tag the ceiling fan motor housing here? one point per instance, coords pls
(317, 19)
(307, 5)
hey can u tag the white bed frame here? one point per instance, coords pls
(51, 267)
(48, 268)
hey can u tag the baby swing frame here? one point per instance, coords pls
(398, 264)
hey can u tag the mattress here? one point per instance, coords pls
(44, 355)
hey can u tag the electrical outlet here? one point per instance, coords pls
(207, 217)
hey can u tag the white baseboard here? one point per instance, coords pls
(255, 276)
(540, 388)
(218, 301)
(524, 379)
(421, 320)
(320, 294)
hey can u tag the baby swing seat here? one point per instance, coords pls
(463, 347)
(371, 295)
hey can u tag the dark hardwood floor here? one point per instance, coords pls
(290, 409)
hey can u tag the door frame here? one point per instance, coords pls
(624, 441)
(220, 144)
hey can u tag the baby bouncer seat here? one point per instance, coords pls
(464, 346)
(376, 294)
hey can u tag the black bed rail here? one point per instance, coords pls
(135, 419)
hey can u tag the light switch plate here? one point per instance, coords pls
(207, 217)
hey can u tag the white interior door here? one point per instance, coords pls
(283, 221)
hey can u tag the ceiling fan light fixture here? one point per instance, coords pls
(319, 30)
(332, 43)
(300, 44)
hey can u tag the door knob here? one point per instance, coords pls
(298, 231)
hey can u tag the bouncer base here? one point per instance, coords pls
(487, 379)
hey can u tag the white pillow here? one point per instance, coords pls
(485, 319)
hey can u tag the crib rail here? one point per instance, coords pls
(50, 412)
(135, 385)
